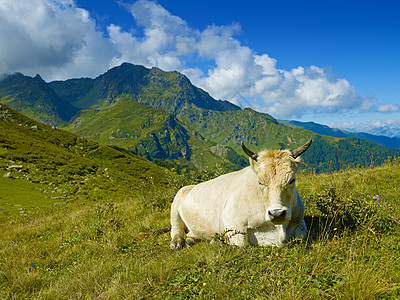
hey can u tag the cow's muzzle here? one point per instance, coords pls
(277, 216)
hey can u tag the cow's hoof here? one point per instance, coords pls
(190, 241)
(176, 243)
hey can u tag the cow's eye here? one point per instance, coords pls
(292, 181)
(261, 185)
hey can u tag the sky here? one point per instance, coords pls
(331, 62)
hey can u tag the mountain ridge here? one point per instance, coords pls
(163, 117)
(35, 98)
(143, 84)
(390, 142)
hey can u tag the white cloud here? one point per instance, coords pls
(59, 40)
(53, 38)
(303, 90)
(165, 38)
(386, 108)
(342, 125)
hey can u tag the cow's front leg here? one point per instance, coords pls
(237, 237)
(301, 231)
(235, 230)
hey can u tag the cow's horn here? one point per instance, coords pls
(299, 151)
(250, 153)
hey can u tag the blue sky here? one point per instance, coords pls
(332, 62)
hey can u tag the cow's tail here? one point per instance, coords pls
(177, 225)
(155, 232)
(177, 229)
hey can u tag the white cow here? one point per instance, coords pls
(258, 204)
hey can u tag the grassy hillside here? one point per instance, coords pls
(115, 246)
(260, 130)
(53, 166)
(135, 127)
(153, 134)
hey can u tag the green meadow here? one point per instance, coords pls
(118, 247)
(80, 220)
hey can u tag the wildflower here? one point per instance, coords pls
(378, 200)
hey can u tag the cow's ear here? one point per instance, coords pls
(298, 161)
(253, 164)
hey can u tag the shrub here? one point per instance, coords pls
(352, 211)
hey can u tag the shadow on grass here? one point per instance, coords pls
(320, 228)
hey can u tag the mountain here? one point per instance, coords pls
(390, 142)
(74, 91)
(151, 133)
(35, 98)
(259, 129)
(170, 91)
(164, 118)
(68, 164)
(390, 128)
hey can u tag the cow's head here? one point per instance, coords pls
(276, 171)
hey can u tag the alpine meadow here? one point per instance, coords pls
(89, 169)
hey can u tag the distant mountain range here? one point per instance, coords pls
(164, 118)
(389, 128)
(390, 142)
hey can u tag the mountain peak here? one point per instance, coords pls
(171, 91)
(7, 78)
(125, 68)
(38, 78)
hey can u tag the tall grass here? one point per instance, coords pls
(108, 250)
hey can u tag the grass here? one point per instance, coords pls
(13, 197)
(107, 249)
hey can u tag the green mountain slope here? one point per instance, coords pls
(151, 133)
(74, 91)
(260, 130)
(64, 165)
(34, 98)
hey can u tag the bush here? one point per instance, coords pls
(352, 211)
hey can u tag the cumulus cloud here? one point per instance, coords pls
(60, 40)
(54, 38)
(386, 108)
(169, 43)
(166, 38)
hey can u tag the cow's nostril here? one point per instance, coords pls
(277, 213)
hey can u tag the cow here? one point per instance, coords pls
(258, 204)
